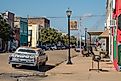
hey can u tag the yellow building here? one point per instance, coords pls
(33, 37)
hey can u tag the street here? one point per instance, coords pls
(8, 73)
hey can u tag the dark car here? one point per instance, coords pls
(43, 47)
(59, 47)
(77, 48)
(49, 47)
(53, 47)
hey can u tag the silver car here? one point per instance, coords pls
(28, 56)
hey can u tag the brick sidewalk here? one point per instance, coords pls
(79, 71)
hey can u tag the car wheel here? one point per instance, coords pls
(38, 66)
(44, 63)
(14, 65)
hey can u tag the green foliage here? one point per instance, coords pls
(52, 36)
(73, 40)
(66, 41)
(4, 29)
(49, 36)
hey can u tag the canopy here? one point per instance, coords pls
(95, 32)
(105, 34)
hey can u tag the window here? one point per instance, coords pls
(26, 50)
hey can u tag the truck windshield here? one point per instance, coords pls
(26, 50)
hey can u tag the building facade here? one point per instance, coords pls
(33, 34)
(9, 17)
(42, 21)
(117, 35)
(110, 23)
(21, 25)
(115, 32)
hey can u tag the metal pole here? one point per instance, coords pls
(85, 39)
(69, 57)
(80, 34)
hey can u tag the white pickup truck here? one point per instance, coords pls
(28, 56)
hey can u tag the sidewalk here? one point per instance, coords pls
(79, 71)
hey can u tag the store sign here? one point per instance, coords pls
(73, 25)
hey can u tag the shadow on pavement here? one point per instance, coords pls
(105, 70)
(42, 68)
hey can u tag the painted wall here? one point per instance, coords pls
(35, 34)
(23, 31)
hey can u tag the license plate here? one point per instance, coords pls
(23, 60)
(15, 59)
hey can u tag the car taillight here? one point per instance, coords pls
(35, 59)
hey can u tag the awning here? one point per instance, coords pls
(95, 32)
(105, 34)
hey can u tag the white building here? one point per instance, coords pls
(33, 31)
(110, 6)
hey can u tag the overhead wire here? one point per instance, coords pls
(76, 16)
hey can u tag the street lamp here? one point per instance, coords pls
(85, 39)
(68, 13)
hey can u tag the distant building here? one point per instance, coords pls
(33, 34)
(21, 25)
(17, 28)
(110, 22)
(9, 17)
(42, 21)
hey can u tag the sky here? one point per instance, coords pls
(57, 8)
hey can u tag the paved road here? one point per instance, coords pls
(8, 73)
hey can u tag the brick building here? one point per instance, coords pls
(9, 17)
(41, 21)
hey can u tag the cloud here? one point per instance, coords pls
(87, 15)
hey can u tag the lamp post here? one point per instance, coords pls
(68, 13)
(85, 39)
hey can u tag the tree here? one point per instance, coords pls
(66, 42)
(5, 32)
(73, 40)
(4, 29)
(52, 36)
(49, 36)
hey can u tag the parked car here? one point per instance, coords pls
(66, 46)
(60, 47)
(28, 56)
(77, 48)
(43, 47)
(53, 47)
(49, 47)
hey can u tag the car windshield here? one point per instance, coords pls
(26, 50)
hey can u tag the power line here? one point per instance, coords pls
(78, 16)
